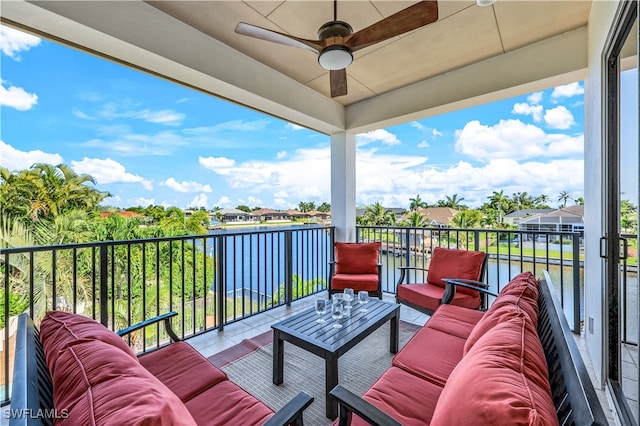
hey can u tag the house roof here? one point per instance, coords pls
(232, 211)
(568, 215)
(438, 215)
(527, 212)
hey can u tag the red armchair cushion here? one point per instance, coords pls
(357, 258)
(98, 383)
(357, 282)
(59, 328)
(227, 404)
(451, 263)
(182, 369)
(455, 320)
(503, 380)
(429, 296)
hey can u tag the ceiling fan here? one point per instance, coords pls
(337, 41)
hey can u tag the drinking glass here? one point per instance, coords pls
(321, 309)
(363, 299)
(348, 295)
(336, 313)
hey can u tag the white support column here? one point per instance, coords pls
(343, 186)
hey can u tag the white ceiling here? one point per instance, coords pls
(471, 55)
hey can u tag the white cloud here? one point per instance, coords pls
(108, 171)
(215, 163)
(281, 154)
(200, 200)
(292, 126)
(115, 110)
(82, 115)
(185, 186)
(233, 126)
(13, 41)
(423, 144)
(14, 159)
(224, 201)
(17, 97)
(567, 91)
(144, 202)
(559, 118)
(526, 109)
(535, 98)
(515, 140)
(435, 133)
(167, 117)
(123, 141)
(418, 125)
(114, 200)
(380, 135)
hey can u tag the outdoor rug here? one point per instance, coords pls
(358, 369)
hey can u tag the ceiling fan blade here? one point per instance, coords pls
(411, 18)
(338, 80)
(276, 37)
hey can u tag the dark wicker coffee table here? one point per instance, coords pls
(331, 343)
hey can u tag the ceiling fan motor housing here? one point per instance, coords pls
(334, 29)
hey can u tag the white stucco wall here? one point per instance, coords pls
(600, 22)
(343, 186)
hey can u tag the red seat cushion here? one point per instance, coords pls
(228, 404)
(503, 380)
(405, 397)
(430, 354)
(357, 258)
(357, 282)
(452, 263)
(59, 328)
(182, 369)
(98, 383)
(429, 296)
(454, 320)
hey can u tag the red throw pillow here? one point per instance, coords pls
(357, 258)
(58, 329)
(452, 263)
(96, 383)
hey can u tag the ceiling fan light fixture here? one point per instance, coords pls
(335, 57)
(485, 2)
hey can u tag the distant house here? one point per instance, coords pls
(270, 215)
(568, 219)
(296, 214)
(234, 215)
(320, 215)
(514, 218)
(398, 211)
(438, 216)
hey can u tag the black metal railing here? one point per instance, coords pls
(210, 280)
(510, 252)
(629, 289)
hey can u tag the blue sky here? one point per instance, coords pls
(149, 141)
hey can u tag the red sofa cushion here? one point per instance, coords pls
(431, 355)
(518, 297)
(99, 383)
(357, 258)
(182, 369)
(429, 296)
(227, 404)
(59, 328)
(503, 380)
(357, 282)
(452, 263)
(455, 320)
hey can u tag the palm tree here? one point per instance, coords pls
(579, 201)
(324, 207)
(499, 199)
(452, 202)
(564, 197)
(415, 220)
(376, 214)
(416, 203)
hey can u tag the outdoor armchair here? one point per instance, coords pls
(446, 265)
(356, 266)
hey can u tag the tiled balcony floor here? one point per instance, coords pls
(215, 341)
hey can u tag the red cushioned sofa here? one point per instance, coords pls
(92, 377)
(515, 364)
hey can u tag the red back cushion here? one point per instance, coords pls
(506, 375)
(59, 328)
(357, 258)
(97, 383)
(452, 263)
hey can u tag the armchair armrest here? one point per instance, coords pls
(291, 413)
(351, 403)
(166, 317)
(452, 283)
(404, 269)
